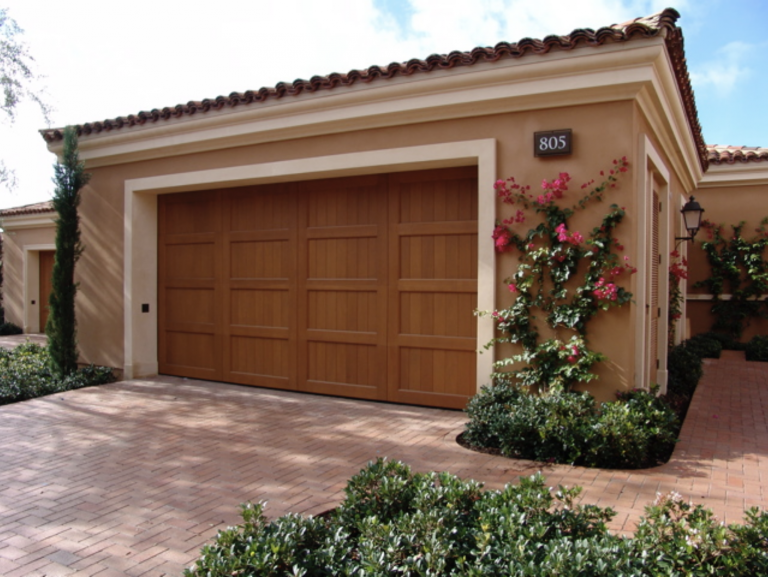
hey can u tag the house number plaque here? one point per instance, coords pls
(552, 142)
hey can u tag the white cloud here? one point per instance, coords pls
(726, 71)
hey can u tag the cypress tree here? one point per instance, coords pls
(62, 327)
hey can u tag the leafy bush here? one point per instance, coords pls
(727, 341)
(395, 523)
(685, 370)
(705, 346)
(488, 413)
(8, 328)
(25, 373)
(639, 430)
(757, 348)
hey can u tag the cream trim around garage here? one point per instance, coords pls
(140, 228)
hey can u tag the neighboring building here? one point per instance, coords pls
(334, 235)
(28, 248)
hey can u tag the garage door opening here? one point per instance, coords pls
(361, 287)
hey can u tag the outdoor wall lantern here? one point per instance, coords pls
(692, 216)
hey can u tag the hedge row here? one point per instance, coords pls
(396, 523)
(25, 373)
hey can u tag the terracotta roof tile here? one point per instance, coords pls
(662, 23)
(725, 154)
(33, 209)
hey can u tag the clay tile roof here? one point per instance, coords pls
(725, 154)
(33, 209)
(660, 24)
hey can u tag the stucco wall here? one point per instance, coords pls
(726, 205)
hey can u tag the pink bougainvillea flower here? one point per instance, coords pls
(512, 288)
(575, 238)
(501, 238)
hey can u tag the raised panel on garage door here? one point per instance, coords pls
(189, 243)
(343, 287)
(433, 287)
(258, 300)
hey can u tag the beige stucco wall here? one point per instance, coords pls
(601, 132)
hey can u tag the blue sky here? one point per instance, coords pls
(100, 62)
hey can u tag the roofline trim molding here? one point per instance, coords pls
(27, 221)
(660, 26)
(735, 175)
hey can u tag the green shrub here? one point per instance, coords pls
(396, 523)
(705, 346)
(685, 370)
(757, 348)
(8, 328)
(638, 430)
(488, 413)
(726, 340)
(554, 426)
(25, 373)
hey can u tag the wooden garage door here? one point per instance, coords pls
(362, 287)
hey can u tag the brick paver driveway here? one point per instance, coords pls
(132, 478)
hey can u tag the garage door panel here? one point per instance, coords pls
(343, 310)
(189, 305)
(260, 259)
(435, 371)
(260, 307)
(433, 196)
(337, 204)
(344, 363)
(271, 208)
(191, 261)
(438, 257)
(258, 356)
(441, 314)
(194, 213)
(348, 258)
(194, 350)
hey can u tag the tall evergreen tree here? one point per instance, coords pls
(62, 327)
